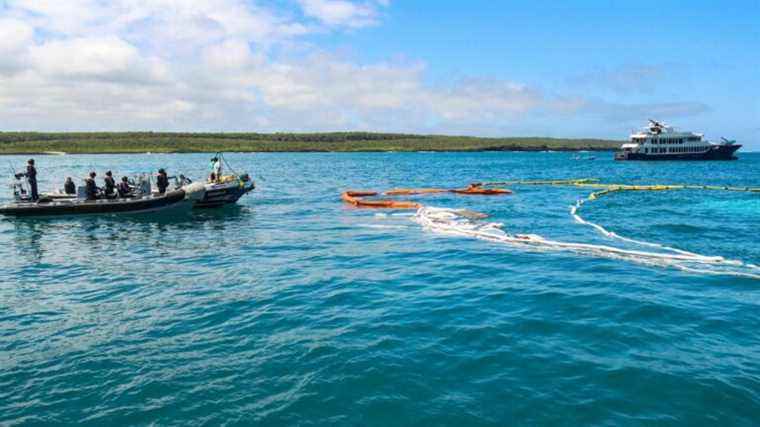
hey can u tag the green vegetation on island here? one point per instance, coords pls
(171, 142)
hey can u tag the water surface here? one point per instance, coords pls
(296, 309)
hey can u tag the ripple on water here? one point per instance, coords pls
(295, 309)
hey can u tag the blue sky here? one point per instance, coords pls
(574, 69)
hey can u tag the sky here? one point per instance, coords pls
(488, 68)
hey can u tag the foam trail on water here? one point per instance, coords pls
(611, 234)
(459, 222)
(383, 226)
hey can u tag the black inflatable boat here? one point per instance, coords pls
(73, 206)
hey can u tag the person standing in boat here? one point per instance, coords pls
(216, 169)
(69, 187)
(31, 177)
(110, 185)
(91, 189)
(162, 181)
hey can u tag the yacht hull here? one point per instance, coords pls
(718, 152)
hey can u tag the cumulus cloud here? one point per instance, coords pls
(15, 37)
(95, 58)
(343, 12)
(237, 65)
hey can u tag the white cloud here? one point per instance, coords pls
(15, 37)
(96, 58)
(236, 65)
(343, 12)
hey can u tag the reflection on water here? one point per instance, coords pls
(27, 240)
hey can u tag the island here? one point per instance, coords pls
(180, 142)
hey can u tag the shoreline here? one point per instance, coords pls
(38, 143)
(493, 150)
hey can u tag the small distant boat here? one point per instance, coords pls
(659, 141)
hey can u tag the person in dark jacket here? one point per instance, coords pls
(110, 186)
(124, 189)
(91, 189)
(162, 181)
(31, 177)
(69, 187)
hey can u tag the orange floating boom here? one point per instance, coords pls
(483, 191)
(413, 191)
(356, 198)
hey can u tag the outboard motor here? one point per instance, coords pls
(19, 192)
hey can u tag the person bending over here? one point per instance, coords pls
(69, 187)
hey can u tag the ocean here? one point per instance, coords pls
(294, 308)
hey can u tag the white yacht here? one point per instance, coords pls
(659, 141)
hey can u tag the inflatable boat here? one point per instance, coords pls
(74, 206)
(226, 190)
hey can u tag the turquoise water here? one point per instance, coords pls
(294, 309)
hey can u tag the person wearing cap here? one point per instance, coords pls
(91, 189)
(31, 177)
(110, 185)
(162, 181)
